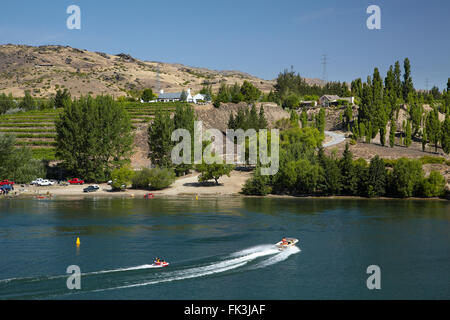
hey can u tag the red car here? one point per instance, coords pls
(76, 181)
(6, 183)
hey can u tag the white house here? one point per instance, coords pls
(176, 96)
(328, 100)
(199, 98)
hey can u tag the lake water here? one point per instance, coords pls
(223, 248)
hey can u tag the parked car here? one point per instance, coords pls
(45, 183)
(93, 188)
(6, 183)
(76, 181)
(36, 181)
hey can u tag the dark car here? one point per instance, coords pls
(93, 188)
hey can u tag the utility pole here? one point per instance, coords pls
(158, 79)
(324, 64)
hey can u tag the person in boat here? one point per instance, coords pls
(284, 241)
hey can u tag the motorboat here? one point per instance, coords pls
(286, 243)
(160, 264)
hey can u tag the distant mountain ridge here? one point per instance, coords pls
(43, 70)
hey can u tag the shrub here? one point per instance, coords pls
(407, 178)
(161, 178)
(258, 185)
(434, 185)
(432, 160)
(155, 179)
(121, 177)
(141, 179)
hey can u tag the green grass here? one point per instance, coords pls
(35, 136)
(44, 153)
(13, 131)
(35, 143)
(23, 125)
(46, 120)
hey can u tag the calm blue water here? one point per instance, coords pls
(223, 248)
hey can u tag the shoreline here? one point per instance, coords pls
(186, 187)
(139, 194)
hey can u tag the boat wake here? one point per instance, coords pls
(122, 278)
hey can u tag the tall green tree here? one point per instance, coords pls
(433, 127)
(304, 118)
(407, 178)
(159, 139)
(408, 86)
(348, 173)
(398, 86)
(424, 139)
(94, 137)
(392, 132)
(445, 135)
(147, 95)
(17, 164)
(320, 121)
(249, 92)
(184, 118)
(408, 134)
(376, 179)
(27, 102)
(62, 98)
(330, 174)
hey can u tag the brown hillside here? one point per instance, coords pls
(42, 70)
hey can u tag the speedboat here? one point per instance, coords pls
(160, 264)
(289, 242)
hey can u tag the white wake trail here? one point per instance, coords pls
(238, 259)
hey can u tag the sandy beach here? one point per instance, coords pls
(187, 185)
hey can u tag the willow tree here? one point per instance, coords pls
(94, 137)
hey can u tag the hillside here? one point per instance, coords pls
(43, 70)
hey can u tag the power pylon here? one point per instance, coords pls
(324, 64)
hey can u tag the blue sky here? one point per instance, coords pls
(256, 36)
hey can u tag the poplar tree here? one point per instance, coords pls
(433, 127)
(392, 134)
(304, 119)
(407, 81)
(445, 135)
(159, 139)
(348, 173)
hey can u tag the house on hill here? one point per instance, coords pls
(201, 98)
(328, 100)
(176, 96)
(173, 96)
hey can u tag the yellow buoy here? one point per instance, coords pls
(78, 242)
